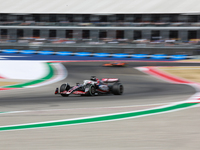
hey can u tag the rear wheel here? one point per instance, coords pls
(91, 91)
(117, 89)
(64, 87)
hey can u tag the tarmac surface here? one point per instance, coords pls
(175, 130)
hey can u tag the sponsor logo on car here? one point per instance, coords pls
(78, 92)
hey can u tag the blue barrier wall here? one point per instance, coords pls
(101, 54)
(27, 51)
(64, 53)
(10, 51)
(89, 54)
(139, 56)
(158, 56)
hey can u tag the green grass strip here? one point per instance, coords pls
(48, 76)
(98, 118)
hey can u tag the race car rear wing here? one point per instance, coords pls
(110, 80)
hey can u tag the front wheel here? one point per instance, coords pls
(117, 89)
(64, 87)
(91, 90)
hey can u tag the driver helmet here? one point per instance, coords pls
(93, 78)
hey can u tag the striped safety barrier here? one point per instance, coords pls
(89, 54)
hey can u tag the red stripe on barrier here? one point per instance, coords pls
(2, 77)
(169, 77)
(1, 89)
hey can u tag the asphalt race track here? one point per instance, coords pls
(174, 130)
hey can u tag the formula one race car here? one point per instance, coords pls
(115, 64)
(92, 87)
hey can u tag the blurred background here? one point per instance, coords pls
(131, 26)
(126, 30)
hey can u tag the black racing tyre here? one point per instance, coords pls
(91, 91)
(64, 87)
(117, 89)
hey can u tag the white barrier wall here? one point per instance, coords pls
(100, 6)
(23, 70)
